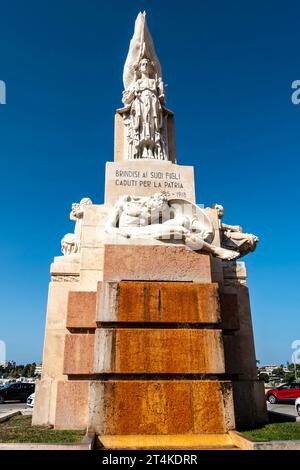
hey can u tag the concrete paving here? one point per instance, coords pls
(11, 406)
(287, 409)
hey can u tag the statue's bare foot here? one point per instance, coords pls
(227, 255)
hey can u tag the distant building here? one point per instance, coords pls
(268, 369)
(38, 369)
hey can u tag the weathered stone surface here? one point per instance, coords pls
(81, 310)
(45, 402)
(147, 177)
(79, 353)
(89, 279)
(119, 138)
(159, 302)
(167, 441)
(217, 270)
(159, 351)
(92, 258)
(92, 236)
(86, 444)
(65, 266)
(251, 392)
(94, 215)
(57, 304)
(235, 273)
(154, 263)
(72, 405)
(171, 138)
(160, 407)
(229, 311)
(239, 348)
(54, 353)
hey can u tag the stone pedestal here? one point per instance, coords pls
(121, 141)
(152, 348)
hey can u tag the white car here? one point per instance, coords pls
(297, 406)
(30, 400)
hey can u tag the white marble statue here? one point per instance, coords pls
(169, 220)
(70, 244)
(232, 236)
(144, 98)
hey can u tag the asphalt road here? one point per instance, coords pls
(5, 407)
(288, 409)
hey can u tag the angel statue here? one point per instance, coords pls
(144, 97)
(162, 218)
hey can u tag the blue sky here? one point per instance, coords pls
(229, 66)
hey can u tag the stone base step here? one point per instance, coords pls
(178, 441)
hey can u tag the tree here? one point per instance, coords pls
(14, 374)
(289, 377)
(264, 376)
(26, 370)
(279, 372)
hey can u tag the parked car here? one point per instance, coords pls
(30, 400)
(16, 391)
(297, 406)
(285, 392)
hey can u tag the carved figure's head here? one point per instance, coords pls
(220, 210)
(86, 201)
(144, 66)
(77, 208)
(154, 205)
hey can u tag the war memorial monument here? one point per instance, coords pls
(149, 338)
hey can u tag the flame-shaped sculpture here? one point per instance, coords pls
(145, 117)
(141, 46)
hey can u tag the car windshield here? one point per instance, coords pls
(6, 386)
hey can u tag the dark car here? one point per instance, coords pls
(16, 391)
(286, 392)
